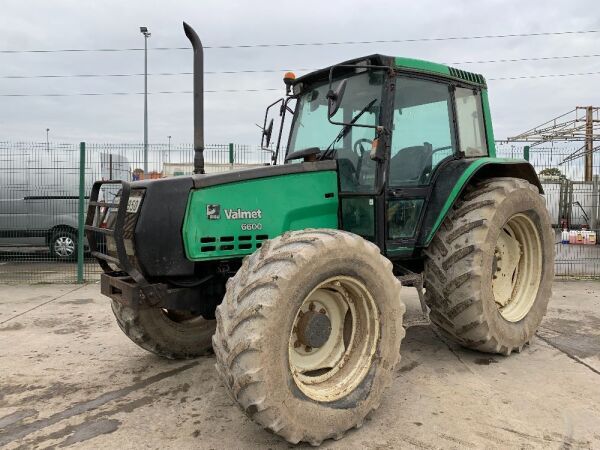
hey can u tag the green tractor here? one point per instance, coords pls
(291, 273)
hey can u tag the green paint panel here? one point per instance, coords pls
(464, 178)
(247, 212)
(489, 129)
(420, 65)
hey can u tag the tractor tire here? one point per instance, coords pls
(169, 334)
(309, 333)
(489, 269)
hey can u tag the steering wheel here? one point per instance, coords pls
(358, 146)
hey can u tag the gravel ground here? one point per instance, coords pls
(69, 377)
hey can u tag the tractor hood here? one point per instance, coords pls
(231, 214)
(162, 239)
(235, 176)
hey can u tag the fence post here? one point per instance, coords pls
(231, 158)
(526, 153)
(80, 222)
(594, 218)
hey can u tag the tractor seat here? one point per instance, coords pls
(410, 165)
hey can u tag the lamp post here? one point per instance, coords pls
(47, 141)
(169, 148)
(146, 33)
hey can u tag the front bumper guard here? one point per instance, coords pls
(126, 285)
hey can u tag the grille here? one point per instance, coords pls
(246, 243)
(468, 76)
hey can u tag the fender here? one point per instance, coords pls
(452, 179)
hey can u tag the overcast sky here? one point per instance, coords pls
(230, 117)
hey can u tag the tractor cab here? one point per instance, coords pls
(392, 125)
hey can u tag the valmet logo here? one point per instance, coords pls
(213, 212)
(238, 214)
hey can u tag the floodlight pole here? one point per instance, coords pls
(589, 143)
(144, 31)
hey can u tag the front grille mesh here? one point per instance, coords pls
(231, 244)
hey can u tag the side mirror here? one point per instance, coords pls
(267, 132)
(334, 98)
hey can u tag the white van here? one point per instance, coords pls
(39, 196)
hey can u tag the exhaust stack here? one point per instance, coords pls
(198, 98)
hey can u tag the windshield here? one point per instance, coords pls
(311, 128)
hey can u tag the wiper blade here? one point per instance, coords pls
(346, 128)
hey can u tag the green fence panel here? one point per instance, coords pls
(44, 185)
(81, 211)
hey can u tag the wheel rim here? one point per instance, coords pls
(341, 319)
(517, 267)
(64, 246)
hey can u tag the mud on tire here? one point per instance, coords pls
(470, 302)
(255, 344)
(169, 334)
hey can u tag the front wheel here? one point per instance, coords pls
(489, 270)
(309, 333)
(170, 334)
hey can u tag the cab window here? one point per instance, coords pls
(311, 127)
(422, 133)
(469, 115)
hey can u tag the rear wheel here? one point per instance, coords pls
(167, 333)
(489, 269)
(309, 333)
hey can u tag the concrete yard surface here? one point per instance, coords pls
(70, 377)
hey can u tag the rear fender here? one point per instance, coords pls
(453, 178)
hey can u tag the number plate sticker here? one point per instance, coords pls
(133, 204)
(116, 201)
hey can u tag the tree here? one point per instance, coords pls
(551, 172)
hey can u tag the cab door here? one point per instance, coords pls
(423, 136)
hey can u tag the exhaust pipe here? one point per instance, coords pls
(198, 98)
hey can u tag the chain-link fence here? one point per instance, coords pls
(572, 202)
(41, 185)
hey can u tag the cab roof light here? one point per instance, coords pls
(288, 79)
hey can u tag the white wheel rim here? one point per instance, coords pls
(517, 267)
(339, 365)
(64, 246)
